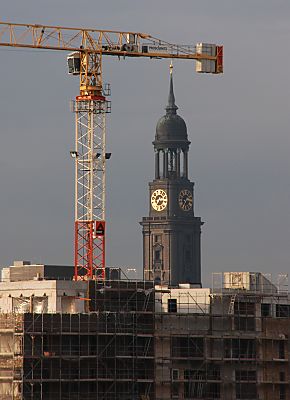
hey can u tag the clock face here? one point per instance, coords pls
(159, 199)
(185, 200)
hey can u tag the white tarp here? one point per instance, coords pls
(68, 305)
(6, 391)
(6, 343)
(21, 305)
(38, 305)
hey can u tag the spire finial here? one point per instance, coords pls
(171, 106)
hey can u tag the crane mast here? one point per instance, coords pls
(90, 185)
(90, 107)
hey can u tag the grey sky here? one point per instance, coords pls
(238, 126)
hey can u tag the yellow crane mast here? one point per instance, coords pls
(87, 47)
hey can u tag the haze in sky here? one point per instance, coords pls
(238, 124)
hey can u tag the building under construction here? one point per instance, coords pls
(132, 340)
(164, 337)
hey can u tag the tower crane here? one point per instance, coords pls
(87, 48)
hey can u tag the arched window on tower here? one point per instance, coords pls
(157, 257)
(187, 262)
(172, 161)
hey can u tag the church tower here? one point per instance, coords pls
(171, 233)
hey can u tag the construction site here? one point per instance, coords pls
(87, 332)
(135, 340)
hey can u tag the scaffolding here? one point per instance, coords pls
(232, 345)
(145, 342)
(107, 353)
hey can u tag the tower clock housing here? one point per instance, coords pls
(171, 232)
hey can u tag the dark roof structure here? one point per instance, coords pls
(171, 128)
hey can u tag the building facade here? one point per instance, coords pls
(230, 342)
(134, 340)
(75, 340)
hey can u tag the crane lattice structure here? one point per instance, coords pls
(88, 46)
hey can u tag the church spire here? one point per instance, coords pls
(172, 257)
(171, 106)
